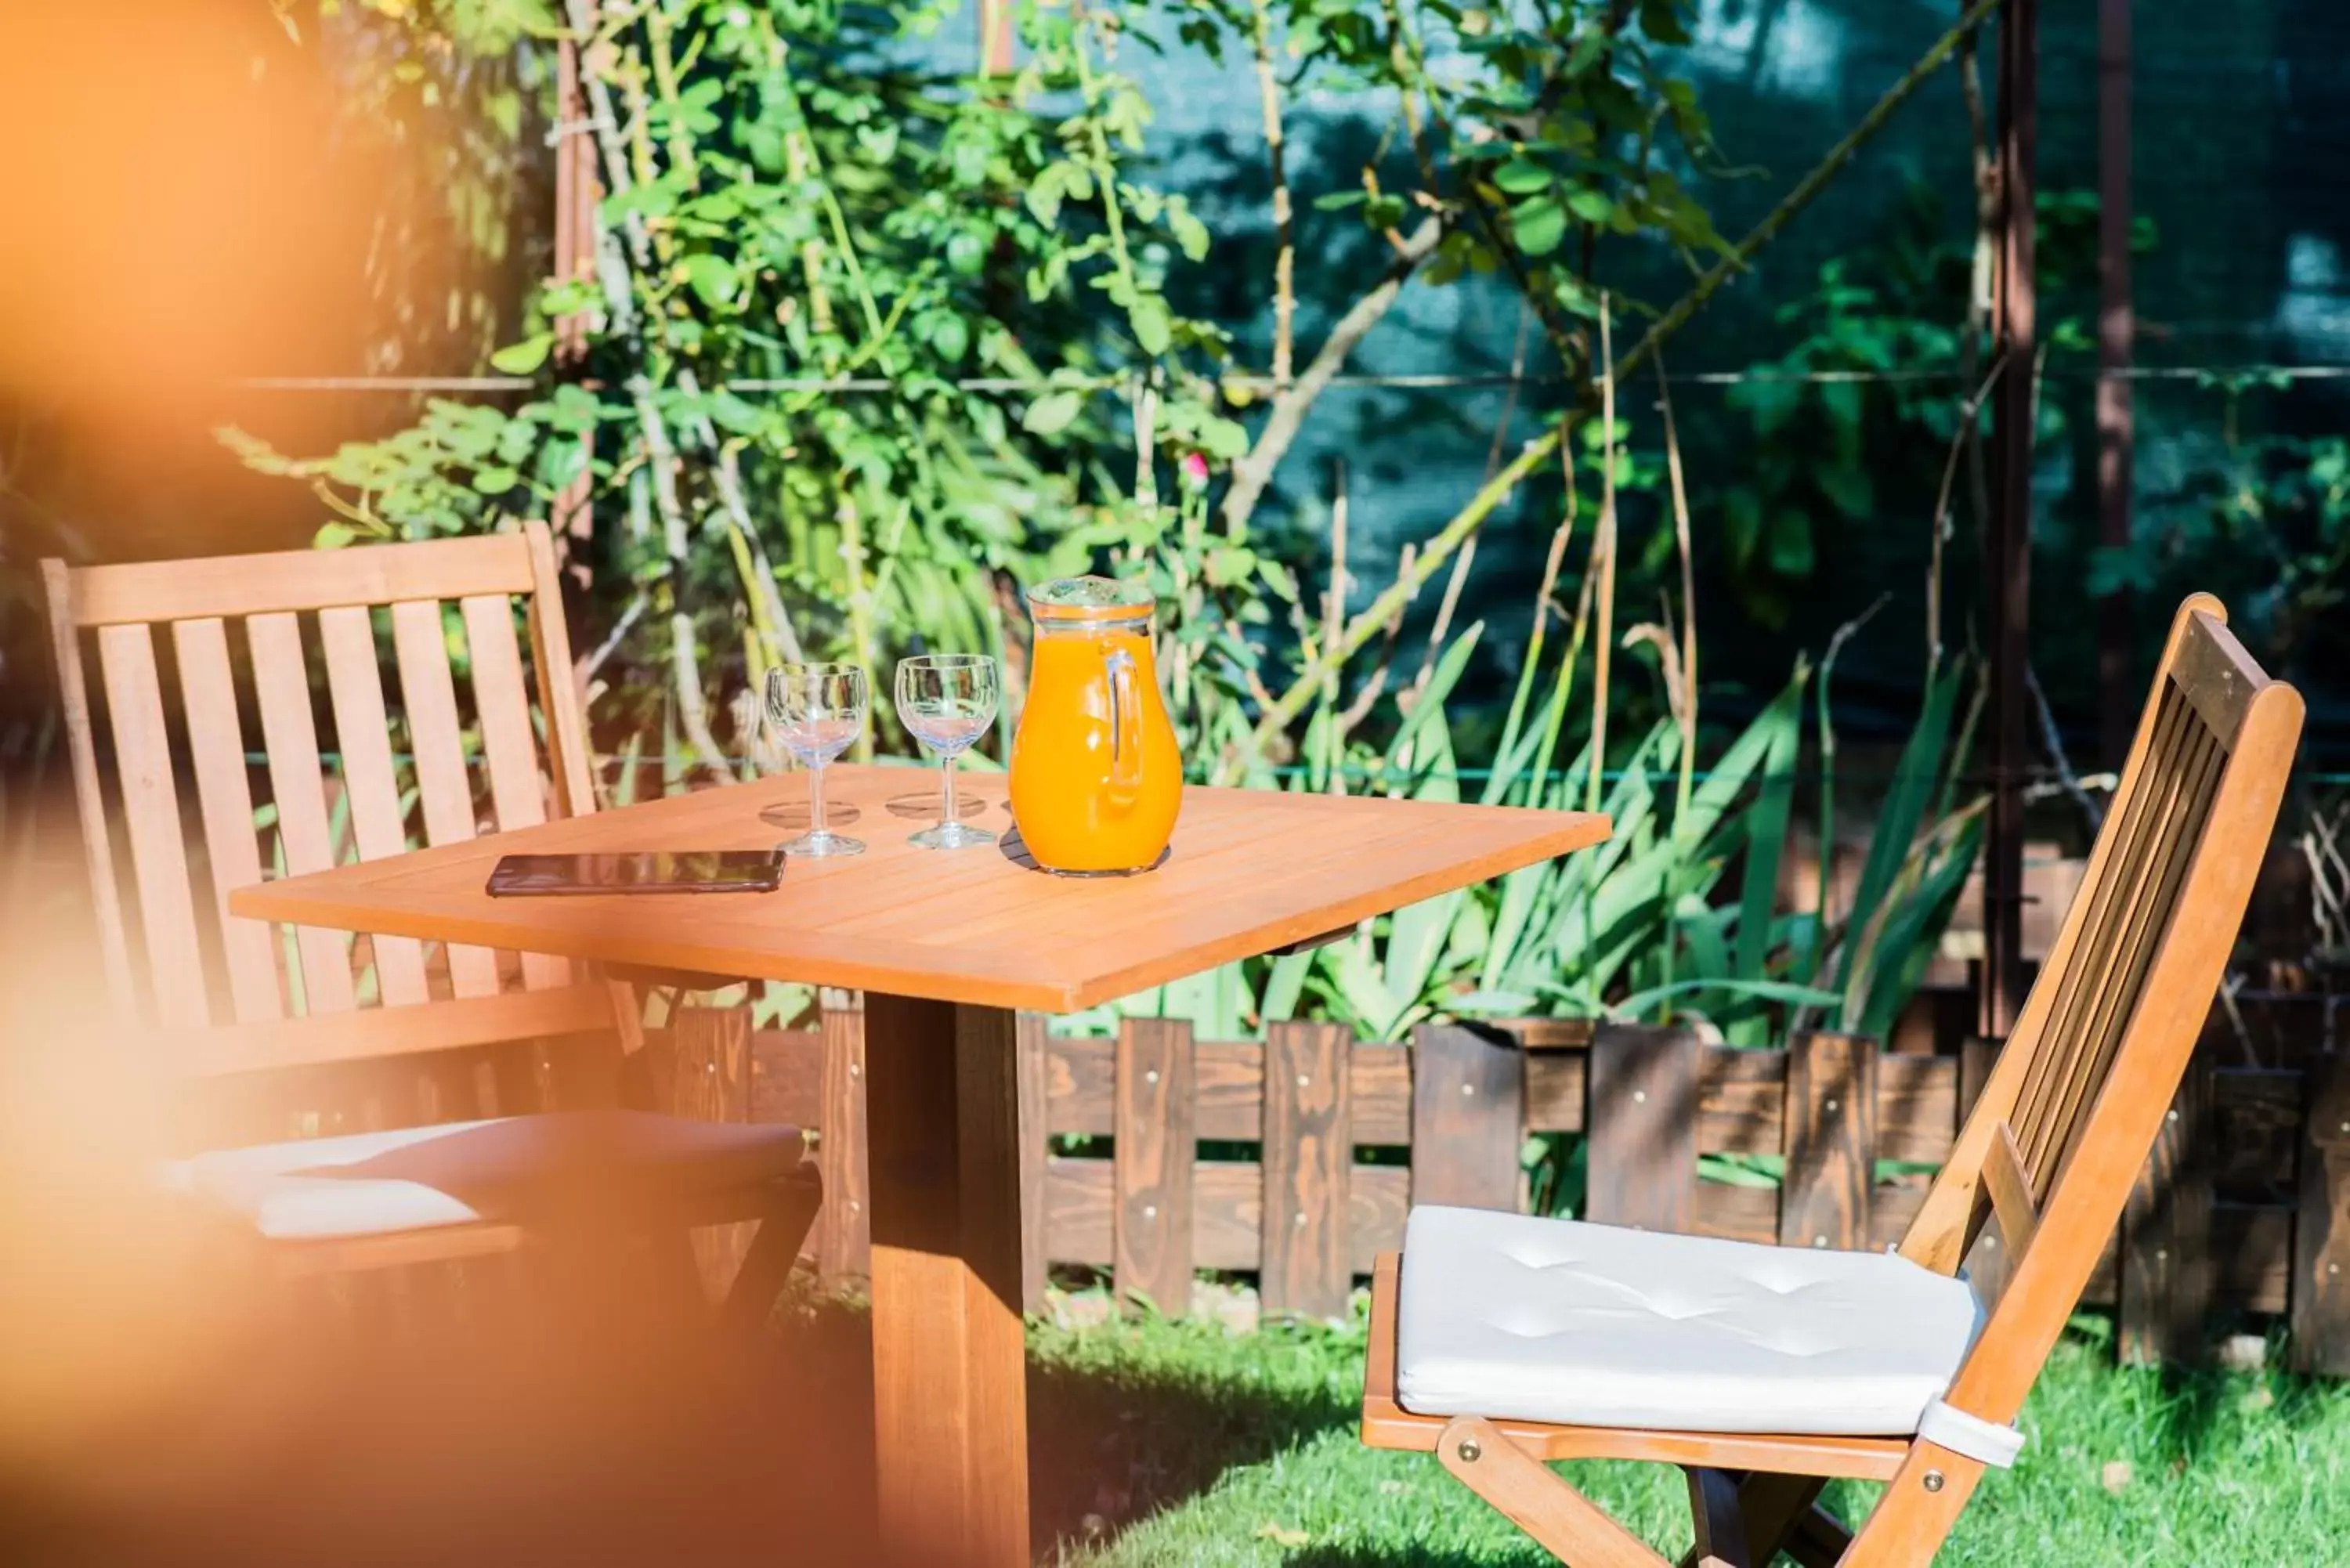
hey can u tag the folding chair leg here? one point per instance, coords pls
(1724, 1536)
(1560, 1519)
(768, 1264)
(1920, 1504)
(1818, 1538)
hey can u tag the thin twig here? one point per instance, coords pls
(587, 667)
(1459, 580)
(1603, 552)
(1985, 165)
(1252, 473)
(2055, 745)
(1368, 698)
(1285, 258)
(1689, 590)
(1966, 438)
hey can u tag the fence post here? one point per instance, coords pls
(1156, 1147)
(1468, 1116)
(1830, 1141)
(1642, 1127)
(710, 1080)
(1030, 1072)
(2321, 1232)
(2163, 1267)
(1309, 1149)
(846, 1247)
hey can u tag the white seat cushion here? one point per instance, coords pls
(513, 1167)
(1593, 1325)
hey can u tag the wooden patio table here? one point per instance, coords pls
(947, 945)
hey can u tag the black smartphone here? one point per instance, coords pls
(638, 871)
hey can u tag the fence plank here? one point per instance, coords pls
(2255, 1119)
(1468, 1116)
(2321, 1253)
(711, 1081)
(1831, 1148)
(1156, 1148)
(2165, 1236)
(1227, 1210)
(1309, 1151)
(1643, 1127)
(1916, 1107)
(1031, 1075)
(847, 1249)
(787, 1077)
(1378, 1093)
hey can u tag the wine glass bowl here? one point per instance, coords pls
(947, 702)
(817, 712)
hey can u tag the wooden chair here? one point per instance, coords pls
(219, 996)
(1760, 1371)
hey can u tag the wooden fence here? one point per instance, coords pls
(1318, 1144)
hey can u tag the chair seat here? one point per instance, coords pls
(460, 1173)
(1511, 1316)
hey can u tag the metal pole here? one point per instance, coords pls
(2116, 327)
(2007, 559)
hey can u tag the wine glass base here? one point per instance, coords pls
(821, 847)
(951, 836)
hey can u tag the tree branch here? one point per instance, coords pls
(1252, 474)
(1284, 260)
(1469, 518)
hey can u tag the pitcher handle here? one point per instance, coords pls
(1125, 724)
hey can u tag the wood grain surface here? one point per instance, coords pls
(1250, 870)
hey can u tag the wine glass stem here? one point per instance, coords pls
(949, 775)
(815, 800)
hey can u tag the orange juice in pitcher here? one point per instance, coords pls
(1096, 779)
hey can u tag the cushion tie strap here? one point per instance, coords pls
(1947, 1427)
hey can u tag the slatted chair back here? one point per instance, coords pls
(2068, 1116)
(229, 993)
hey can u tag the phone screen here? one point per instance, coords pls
(639, 871)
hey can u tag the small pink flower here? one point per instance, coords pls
(1195, 471)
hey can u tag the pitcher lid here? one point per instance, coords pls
(1090, 598)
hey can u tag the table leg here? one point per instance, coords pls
(950, 1375)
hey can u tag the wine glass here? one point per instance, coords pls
(817, 711)
(947, 702)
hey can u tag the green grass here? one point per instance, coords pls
(1182, 1443)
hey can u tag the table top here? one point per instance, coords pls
(1249, 871)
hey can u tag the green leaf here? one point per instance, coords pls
(1779, 991)
(710, 277)
(1766, 837)
(1340, 201)
(495, 481)
(1052, 413)
(1592, 206)
(1191, 233)
(1521, 176)
(523, 358)
(1147, 317)
(1661, 20)
(950, 335)
(1539, 224)
(1847, 487)
(1791, 553)
(1914, 781)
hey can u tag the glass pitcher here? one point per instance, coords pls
(1096, 779)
